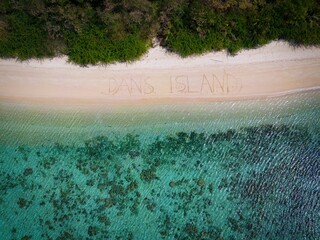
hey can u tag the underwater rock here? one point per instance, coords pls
(65, 235)
(92, 231)
(98, 147)
(204, 234)
(22, 203)
(28, 171)
(134, 154)
(210, 188)
(172, 184)
(94, 168)
(90, 182)
(166, 226)
(233, 223)
(191, 230)
(108, 202)
(104, 220)
(103, 175)
(132, 186)
(150, 205)
(138, 194)
(49, 225)
(48, 163)
(26, 237)
(117, 189)
(130, 236)
(201, 182)
(134, 208)
(148, 174)
(156, 163)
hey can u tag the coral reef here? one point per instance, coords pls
(181, 186)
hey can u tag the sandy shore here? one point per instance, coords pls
(273, 70)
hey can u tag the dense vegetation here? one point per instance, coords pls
(92, 31)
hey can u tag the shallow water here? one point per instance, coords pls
(226, 170)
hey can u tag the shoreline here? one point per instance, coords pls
(44, 124)
(138, 102)
(159, 77)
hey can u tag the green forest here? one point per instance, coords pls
(106, 31)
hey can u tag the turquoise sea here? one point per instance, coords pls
(223, 170)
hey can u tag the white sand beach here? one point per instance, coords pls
(273, 70)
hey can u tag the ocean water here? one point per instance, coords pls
(224, 170)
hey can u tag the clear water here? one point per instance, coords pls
(228, 170)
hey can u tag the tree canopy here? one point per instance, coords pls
(104, 31)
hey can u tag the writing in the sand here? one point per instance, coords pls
(130, 86)
(208, 84)
(202, 85)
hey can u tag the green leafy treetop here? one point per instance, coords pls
(105, 31)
